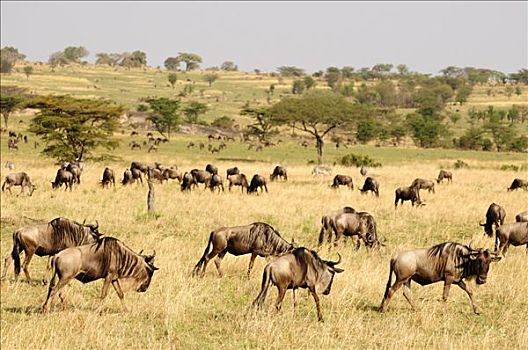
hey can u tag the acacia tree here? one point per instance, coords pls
(172, 77)
(317, 114)
(211, 78)
(28, 70)
(164, 114)
(8, 104)
(191, 60)
(264, 124)
(193, 110)
(73, 129)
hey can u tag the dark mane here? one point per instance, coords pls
(271, 239)
(67, 233)
(117, 255)
(452, 251)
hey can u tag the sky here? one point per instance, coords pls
(426, 36)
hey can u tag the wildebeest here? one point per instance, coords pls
(134, 145)
(238, 180)
(443, 174)
(321, 170)
(371, 184)
(449, 262)
(109, 259)
(127, 177)
(155, 174)
(342, 180)
(363, 171)
(152, 148)
(279, 171)
(140, 166)
(232, 171)
(257, 181)
(407, 194)
(18, 179)
(259, 239)
(518, 183)
(63, 177)
(48, 239)
(422, 184)
(211, 169)
(361, 224)
(495, 215)
(216, 182)
(201, 177)
(187, 182)
(301, 268)
(9, 165)
(327, 222)
(522, 217)
(172, 173)
(74, 169)
(515, 234)
(108, 177)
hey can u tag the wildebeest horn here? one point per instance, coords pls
(96, 225)
(154, 253)
(141, 252)
(332, 263)
(482, 224)
(84, 221)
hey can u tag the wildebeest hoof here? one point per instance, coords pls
(44, 281)
(476, 311)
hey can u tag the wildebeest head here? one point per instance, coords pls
(94, 229)
(488, 229)
(480, 261)
(148, 272)
(328, 273)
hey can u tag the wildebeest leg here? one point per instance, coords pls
(106, 284)
(316, 299)
(27, 260)
(7, 262)
(53, 290)
(497, 242)
(280, 297)
(294, 301)
(251, 263)
(447, 285)
(357, 242)
(218, 261)
(390, 293)
(120, 294)
(407, 293)
(469, 292)
(266, 188)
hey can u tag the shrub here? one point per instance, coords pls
(357, 160)
(223, 122)
(509, 167)
(460, 164)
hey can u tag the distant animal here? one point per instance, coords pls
(361, 224)
(305, 144)
(444, 174)
(216, 182)
(108, 178)
(109, 259)
(257, 239)
(232, 171)
(422, 184)
(156, 174)
(9, 165)
(363, 171)
(149, 134)
(63, 177)
(257, 181)
(279, 172)
(202, 146)
(12, 144)
(238, 180)
(449, 262)
(172, 173)
(187, 182)
(48, 239)
(212, 169)
(134, 133)
(515, 234)
(140, 166)
(342, 180)
(18, 179)
(522, 217)
(495, 215)
(74, 169)
(301, 268)
(127, 177)
(518, 183)
(137, 175)
(201, 177)
(153, 148)
(327, 222)
(371, 184)
(321, 170)
(134, 145)
(407, 194)
(190, 145)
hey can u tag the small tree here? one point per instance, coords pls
(290, 71)
(191, 60)
(164, 114)
(28, 70)
(9, 56)
(518, 91)
(298, 87)
(74, 54)
(134, 60)
(172, 63)
(211, 78)
(193, 110)
(229, 66)
(172, 77)
(508, 90)
(463, 93)
(8, 104)
(309, 82)
(264, 124)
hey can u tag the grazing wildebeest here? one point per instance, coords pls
(47, 239)
(187, 182)
(232, 171)
(257, 181)
(75, 169)
(327, 222)
(360, 224)
(495, 215)
(443, 174)
(216, 182)
(155, 174)
(518, 183)
(342, 180)
(108, 177)
(134, 145)
(201, 177)
(211, 169)
(238, 180)
(407, 194)
(140, 166)
(449, 262)
(63, 177)
(107, 258)
(522, 217)
(18, 179)
(420, 184)
(363, 171)
(301, 268)
(172, 173)
(515, 234)
(259, 239)
(137, 174)
(279, 171)
(127, 177)
(153, 148)
(371, 184)
(321, 170)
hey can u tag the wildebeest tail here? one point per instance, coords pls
(51, 266)
(266, 281)
(3, 185)
(389, 282)
(324, 228)
(202, 260)
(15, 253)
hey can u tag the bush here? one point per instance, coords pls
(509, 167)
(460, 164)
(357, 160)
(223, 122)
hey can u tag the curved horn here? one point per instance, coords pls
(84, 221)
(96, 225)
(154, 253)
(332, 263)
(482, 224)
(140, 252)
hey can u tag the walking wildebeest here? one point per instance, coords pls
(444, 175)
(107, 258)
(211, 169)
(172, 173)
(108, 177)
(420, 184)
(279, 171)
(232, 171)
(18, 179)
(449, 262)
(258, 181)
(360, 224)
(63, 177)
(518, 183)
(407, 194)
(301, 268)
(201, 177)
(343, 180)
(259, 239)
(371, 184)
(48, 239)
(495, 215)
(238, 180)
(327, 222)
(522, 217)
(515, 234)
(216, 182)
(187, 182)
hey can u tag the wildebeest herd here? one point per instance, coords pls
(80, 251)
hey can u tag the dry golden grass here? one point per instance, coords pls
(180, 312)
